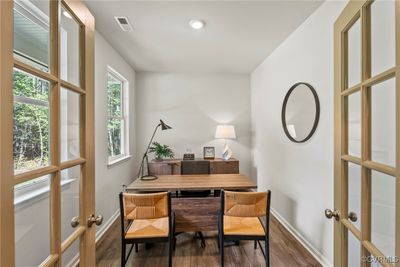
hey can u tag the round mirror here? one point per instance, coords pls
(300, 112)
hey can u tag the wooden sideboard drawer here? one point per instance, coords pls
(165, 167)
(224, 167)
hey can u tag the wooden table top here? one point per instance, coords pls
(194, 182)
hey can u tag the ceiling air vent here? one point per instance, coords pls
(124, 24)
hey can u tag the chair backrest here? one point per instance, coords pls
(145, 206)
(195, 167)
(246, 204)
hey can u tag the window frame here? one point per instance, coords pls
(124, 117)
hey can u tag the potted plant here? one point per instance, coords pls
(161, 151)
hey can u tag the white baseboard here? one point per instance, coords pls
(310, 248)
(99, 234)
(107, 225)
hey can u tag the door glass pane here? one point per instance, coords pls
(354, 205)
(354, 124)
(70, 180)
(71, 255)
(31, 122)
(383, 122)
(354, 54)
(69, 112)
(382, 35)
(383, 212)
(69, 47)
(31, 33)
(32, 232)
(354, 251)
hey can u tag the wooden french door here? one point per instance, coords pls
(46, 133)
(367, 135)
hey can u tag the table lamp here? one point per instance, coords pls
(225, 132)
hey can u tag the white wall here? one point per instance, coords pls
(300, 176)
(194, 104)
(109, 180)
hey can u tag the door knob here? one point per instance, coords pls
(329, 214)
(97, 220)
(352, 216)
(75, 221)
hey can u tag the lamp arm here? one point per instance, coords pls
(147, 150)
(151, 140)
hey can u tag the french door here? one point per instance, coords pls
(46, 133)
(367, 135)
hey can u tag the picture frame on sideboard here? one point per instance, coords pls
(209, 152)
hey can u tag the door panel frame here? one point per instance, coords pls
(84, 234)
(7, 249)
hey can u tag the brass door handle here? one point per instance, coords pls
(75, 221)
(95, 220)
(335, 214)
(353, 216)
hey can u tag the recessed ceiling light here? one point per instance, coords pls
(66, 14)
(197, 24)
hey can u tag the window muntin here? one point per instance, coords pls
(117, 124)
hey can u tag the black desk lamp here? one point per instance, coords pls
(145, 158)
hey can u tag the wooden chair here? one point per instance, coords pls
(240, 219)
(146, 218)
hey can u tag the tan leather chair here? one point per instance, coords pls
(240, 219)
(146, 218)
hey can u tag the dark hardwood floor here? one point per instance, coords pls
(285, 251)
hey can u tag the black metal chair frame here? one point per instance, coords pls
(257, 239)
(135, 241)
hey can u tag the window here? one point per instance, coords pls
(117, 128)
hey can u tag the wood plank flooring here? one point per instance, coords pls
(285, 251)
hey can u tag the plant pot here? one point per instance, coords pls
(159, 159)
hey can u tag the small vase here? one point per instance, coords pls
(159, 159)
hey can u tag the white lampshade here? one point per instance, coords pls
(225, 132)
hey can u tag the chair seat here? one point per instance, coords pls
(148, 228)
(248, 226)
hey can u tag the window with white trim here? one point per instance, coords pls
(117, 111)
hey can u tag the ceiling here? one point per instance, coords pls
(238, 35)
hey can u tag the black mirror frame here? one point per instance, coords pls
(317, 112)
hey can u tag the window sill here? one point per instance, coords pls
(118, 161)
(39, 193)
